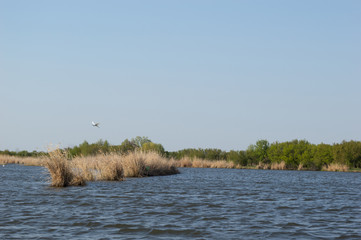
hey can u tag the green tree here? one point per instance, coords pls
(75, 151)
(260, 151)
(85, 148)
(153, 147)
(252, 158)
(306, 157)
(127, 146)
(139, 141)
(296, 151)
(101, 146)
(322, 155)
(214, 154)
(348, 153)
(275, 152)
(355, 154)
(237, 157)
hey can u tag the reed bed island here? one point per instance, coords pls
(105, 167)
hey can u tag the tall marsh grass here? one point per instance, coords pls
(278, 166)
(106, 167)
(336, 167)
(99, 168)
(28, 161)
(154, 164)
(61, 171)
(203, 163)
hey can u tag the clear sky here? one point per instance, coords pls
(186, 74)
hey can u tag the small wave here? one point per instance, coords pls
(86, 224)
(172, 232)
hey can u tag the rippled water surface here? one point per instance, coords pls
(195, 204)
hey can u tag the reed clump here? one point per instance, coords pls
(222, 164)
(134, 164)
(336, 167)
(264, 166)
(61, 172)
(278, 166)
(103, 167)
(111, 170)
(184, 162)
(154, 164)
(106, 167)
(204, 163)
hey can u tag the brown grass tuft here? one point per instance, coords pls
(111, 170)
(156, 165)
(263, 166)
(86, 167)
(336, 167)
(222, 164)
(204, 163)
(278, 166)
(133, 164)
(107, 167)
(61, 172)
(101, 167)
(184, 162)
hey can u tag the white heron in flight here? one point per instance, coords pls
(95, 124)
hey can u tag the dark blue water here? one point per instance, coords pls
(196, 204)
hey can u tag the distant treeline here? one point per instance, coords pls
(292, 153)
(22, 153)
(140, 143)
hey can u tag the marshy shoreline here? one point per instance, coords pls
(183, 162)
(65, 171)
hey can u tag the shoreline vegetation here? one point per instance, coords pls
(105, 167)
(140, 157)
(184, 162)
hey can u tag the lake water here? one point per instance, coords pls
(195, 204)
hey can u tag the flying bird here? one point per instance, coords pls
(95, 124)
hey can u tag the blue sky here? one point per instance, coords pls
(187, 74)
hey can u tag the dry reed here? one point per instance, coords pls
(154, 164)
(61, 171)
(204, 163)
(28, 161)
(101, 167)
(278, 166)
(133, 164)
(263, 166)
(336, 167)
(106, 167)
(184, 162)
